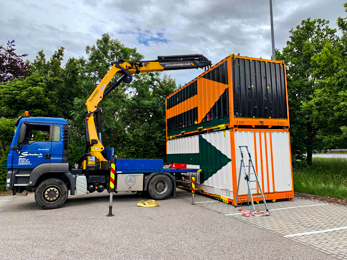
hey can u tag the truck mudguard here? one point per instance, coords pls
(43, 168)
(72, 181)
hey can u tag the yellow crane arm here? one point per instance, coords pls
(126, 69)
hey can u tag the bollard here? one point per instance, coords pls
(112, 178)
(193, 189)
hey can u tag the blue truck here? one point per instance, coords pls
(38, 156)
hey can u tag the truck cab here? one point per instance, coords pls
(39, 146)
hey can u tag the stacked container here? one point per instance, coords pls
(239, 101)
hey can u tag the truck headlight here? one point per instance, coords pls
(8, 180)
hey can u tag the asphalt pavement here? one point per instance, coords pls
(174, 230)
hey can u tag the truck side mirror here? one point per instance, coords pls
(21, 137)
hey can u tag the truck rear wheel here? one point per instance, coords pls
(160, 187)
(51, 194)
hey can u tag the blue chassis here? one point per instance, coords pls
(146, 166)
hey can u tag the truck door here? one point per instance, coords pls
(37, 147)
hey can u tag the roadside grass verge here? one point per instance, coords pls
(5, 192)
(325, 178)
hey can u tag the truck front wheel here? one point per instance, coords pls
(160, 187)
(51, 194)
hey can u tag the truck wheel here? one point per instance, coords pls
(51, 194)
(160, 187)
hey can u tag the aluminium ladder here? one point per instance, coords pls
(248, 179)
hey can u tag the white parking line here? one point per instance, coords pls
(303, 206)
(200, 202)
(316, 232)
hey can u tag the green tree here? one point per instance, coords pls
(37, 92)
(30, 94)
(306, 41)
(133, 114)
(328, 105)
(48, 90)
(99, 60)
(145, 116)
(101, 55)
(72, 86)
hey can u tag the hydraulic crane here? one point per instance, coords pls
(93, 153)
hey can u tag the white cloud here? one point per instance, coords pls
(213, 28)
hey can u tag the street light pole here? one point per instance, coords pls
(272, 32)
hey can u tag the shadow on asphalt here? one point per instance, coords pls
(29, 204)
(104, 198)
(101, 198)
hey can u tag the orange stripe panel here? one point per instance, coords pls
(272, 164)
(233, 162)
(267, 164)
(261, 162)
(255, 157)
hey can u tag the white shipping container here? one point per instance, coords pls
(219, 157)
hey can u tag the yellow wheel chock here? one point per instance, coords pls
(148, 204)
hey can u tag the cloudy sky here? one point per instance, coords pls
(214, 28)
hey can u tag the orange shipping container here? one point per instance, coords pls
(236, 92)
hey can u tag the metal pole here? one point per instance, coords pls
(272, 32)
(112, 178)
(110, 205)
(193, 189)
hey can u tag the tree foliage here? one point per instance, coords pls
(6, 133)
(329, 101)
(133, 114)
(144, 115)
(316, 74)
(12, 65)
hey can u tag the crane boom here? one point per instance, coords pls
(126, 69)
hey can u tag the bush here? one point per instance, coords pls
(7, 127)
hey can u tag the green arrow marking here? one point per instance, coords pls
(210, 159)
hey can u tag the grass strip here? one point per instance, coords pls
(326, 177)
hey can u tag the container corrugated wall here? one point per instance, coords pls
(270, 153)
(218, 155)
(237, 91)
(204, 102)
(259, 89)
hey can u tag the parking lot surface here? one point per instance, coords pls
(174, 230)
(318, 224)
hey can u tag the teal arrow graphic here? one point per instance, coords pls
(210, 159)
